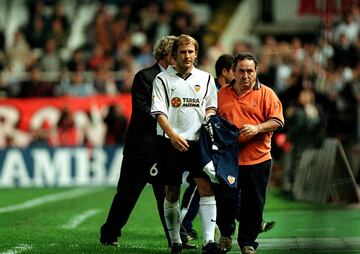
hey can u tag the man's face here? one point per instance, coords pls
(185, 57)
(245, 73)
(169, 59)
(228, 74)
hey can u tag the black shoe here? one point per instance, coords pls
(212, 248)
(189, 246)
(188, 235)
(192, 235)
(176, 248)
(108, 242)
(266, 226)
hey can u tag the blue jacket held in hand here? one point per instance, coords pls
(219, 150)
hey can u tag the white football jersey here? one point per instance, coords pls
(183, 101)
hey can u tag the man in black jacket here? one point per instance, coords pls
(139, 149)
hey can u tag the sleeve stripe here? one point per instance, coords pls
(278, 121)
(214, 108)
(156, 113)
(207, 87)
(166, 93)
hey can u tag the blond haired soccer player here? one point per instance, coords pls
(183, 97)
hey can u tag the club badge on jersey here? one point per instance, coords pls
(197, 88)
(176, 102)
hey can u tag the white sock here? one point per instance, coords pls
(207, 213)
(172, 218)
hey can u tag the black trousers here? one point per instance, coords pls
(246, 203)
(253, 181)
(134, 176)
(190, 201)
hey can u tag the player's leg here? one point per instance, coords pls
(131, 183)
(159, 192)
(207, 212)
(189, 210)
(170, 170)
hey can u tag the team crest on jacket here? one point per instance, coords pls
(197, 88)
(175, 102)
(231, 179)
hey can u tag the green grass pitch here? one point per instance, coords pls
(61, 220)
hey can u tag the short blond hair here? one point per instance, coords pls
(163, 47)
(184, 39)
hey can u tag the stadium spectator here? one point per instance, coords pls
(349, 27)
(254, 156)
(50, 61)
(2, 40)
(105, 81)
(77, 61)
(58, 14)
(306, 130)
(76, 86)
(19, 55)
(102, 29)
(36, 86)
(344, 53)
(58, 33)
(42, 136)
(116, 125)
(97, 58)
(66, 131)
(139, 148)
(36, 35)
(182, 98)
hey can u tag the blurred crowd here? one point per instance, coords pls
(119, 42)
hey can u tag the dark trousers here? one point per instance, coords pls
(190, 201)
(252, 184)
(133, 179)
(226, 203)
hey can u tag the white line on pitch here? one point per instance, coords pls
(48, 199)
(18, 249)
(78, 219)
(315, 229)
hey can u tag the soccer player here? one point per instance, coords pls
(139, 148)
(183, 97)
(190, 200)
(256, 110)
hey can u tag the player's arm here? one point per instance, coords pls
(211, 99)
(176, 140)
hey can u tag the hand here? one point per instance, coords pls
(249, 130)
(207, 118)
(179, 143)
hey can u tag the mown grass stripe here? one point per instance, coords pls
(313, 243)
(78, 219)
(47, 199)
(18, 249)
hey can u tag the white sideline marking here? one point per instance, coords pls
(18, 249)
(78, 219)
(315, 229)
(317, 244)
(47, 199)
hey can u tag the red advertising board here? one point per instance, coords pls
(19, 116)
